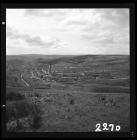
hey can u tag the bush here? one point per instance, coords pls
(10, 112)
(17, 109)
(72, 102)
(36, 121)
(12, 96)
(21, 109)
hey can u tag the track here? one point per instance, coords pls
(24, 81)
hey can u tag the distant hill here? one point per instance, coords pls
(72, 60)
(31, 57)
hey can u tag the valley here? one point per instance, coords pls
(72, 93)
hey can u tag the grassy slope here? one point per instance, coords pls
(81, 115)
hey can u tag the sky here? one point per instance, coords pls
(67, 31)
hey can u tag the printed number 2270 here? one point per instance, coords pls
(107, 127)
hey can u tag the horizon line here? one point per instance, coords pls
(66, 54)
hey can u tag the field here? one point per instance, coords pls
(67, 93)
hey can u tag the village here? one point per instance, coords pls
(47, 74)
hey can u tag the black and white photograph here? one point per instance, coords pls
(67, 70)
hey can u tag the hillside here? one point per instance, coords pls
(71, 91)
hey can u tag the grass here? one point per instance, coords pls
(82, 110)
(110, 89)
(13, 96)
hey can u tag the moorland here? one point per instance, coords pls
(66, 93)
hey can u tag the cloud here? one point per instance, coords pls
(119, 16)
(109, 18)
(57, 14)
(82, 17)
(11, 33)
(66, 16)
(111, 31)
(37, 41)
(33, 41)
(34, 12)
(85, 30)
(108, 39)
(75, 22)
